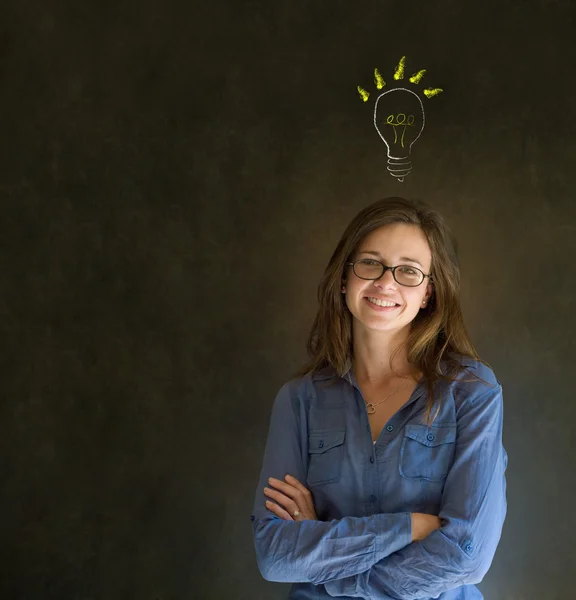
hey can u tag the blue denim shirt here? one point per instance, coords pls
(361, 546)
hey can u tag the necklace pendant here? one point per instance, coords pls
(371, 408)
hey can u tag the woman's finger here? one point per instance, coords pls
(278, 510)
(304, 491)
(281, 499)
(292, 496)
(295, 483)
(287, 489)
(300, 495)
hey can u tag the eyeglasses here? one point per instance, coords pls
(369, 268)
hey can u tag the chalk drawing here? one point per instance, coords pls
(417, 76)
(398, 131)
(399, 118)
(430, 93)
(399, 73)
(378, 79)
(363, 94)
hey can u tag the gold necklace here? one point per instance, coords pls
(371, 407)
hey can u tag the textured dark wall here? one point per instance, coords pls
(174, 177)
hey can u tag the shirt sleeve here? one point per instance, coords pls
(313, 551)
(472, 514)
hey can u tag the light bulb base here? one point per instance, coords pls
(399, 167)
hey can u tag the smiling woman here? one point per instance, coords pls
(384, 470)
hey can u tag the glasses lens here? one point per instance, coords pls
(407, 275)
(368, 269)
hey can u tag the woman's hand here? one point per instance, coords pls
(423, 525)
(292, 501)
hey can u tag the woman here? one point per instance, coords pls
(384, 470)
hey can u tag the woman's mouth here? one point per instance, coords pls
(381, 305)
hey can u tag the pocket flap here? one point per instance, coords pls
(431, 436)
(320, 441)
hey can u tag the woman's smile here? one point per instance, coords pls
(381, 305)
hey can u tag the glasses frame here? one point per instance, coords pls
(387, 268)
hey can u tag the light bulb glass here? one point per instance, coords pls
(399, 120)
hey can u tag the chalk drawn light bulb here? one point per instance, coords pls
(399, 120)
(399, 117)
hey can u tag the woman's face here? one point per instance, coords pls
(396, 244)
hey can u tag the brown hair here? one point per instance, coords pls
(437, 331)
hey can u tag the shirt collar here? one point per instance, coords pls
(330, 372)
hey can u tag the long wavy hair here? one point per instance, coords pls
(437, 335)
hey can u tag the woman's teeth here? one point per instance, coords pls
(381, 302)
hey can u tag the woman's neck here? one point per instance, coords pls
(372, 352)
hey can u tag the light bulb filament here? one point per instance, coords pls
(401, 121)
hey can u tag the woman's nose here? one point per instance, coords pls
(387, 279)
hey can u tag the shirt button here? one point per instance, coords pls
(469, 548)
(320, 444)
(372, 498)
(372, 459)
(389, 428)
(429, 437)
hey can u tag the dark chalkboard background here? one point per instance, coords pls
(174, 177)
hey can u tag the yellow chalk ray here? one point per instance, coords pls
(417, 76)
(363, 94)
(431, 92)
(378, 79)
(399, 73)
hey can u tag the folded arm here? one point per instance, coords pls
(313, 551)
(472, 512)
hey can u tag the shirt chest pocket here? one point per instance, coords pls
(427, 452)
(325, 456)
